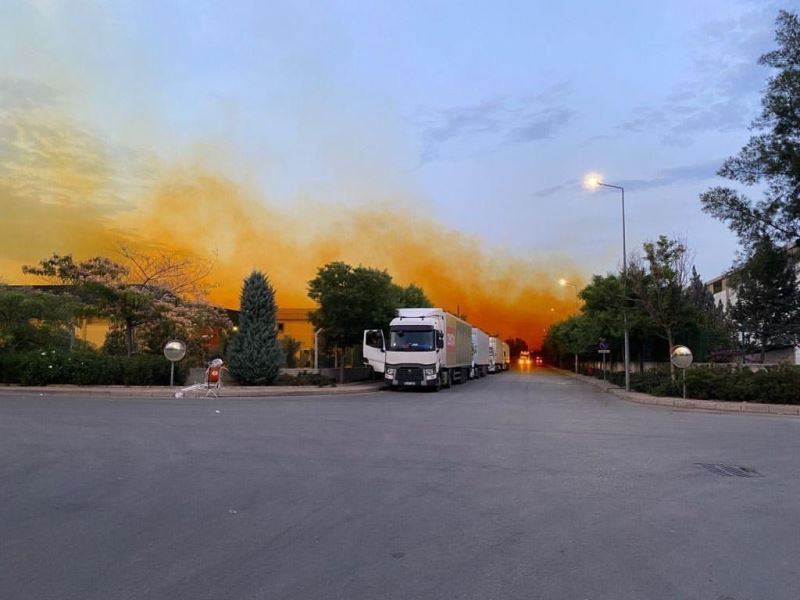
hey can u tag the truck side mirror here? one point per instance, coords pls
(439, 340)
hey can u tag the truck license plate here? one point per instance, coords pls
(408, 383)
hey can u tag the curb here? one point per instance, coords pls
(161, 392)
(755, 408)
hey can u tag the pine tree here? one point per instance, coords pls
(255, 354)
(767, 296)
(771, 159)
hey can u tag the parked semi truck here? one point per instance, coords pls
(499, 355)
(427, 347)
(495, 355)
(480, 353)
(506, 356)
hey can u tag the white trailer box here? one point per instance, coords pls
(495, 355)
(480, 352)
(506, 356)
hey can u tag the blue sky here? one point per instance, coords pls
(483, 115)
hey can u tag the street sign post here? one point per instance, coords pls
(682, 358)
(603, 349)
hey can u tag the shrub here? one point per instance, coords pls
(85, 368)
(779, 385)
(305, 378)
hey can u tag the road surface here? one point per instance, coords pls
(522, 485)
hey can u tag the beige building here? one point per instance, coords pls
(292, 322)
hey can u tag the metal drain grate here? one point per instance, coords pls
(729, 470)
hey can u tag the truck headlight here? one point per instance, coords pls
(390, 371)
(430, 373)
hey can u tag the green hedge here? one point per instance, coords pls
(305, 378)
(778, 385)
(85, 368)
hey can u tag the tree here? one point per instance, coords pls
(167, 274)
(707, 328)
(153, 291)
(604, 300)
(255, 355)
(771, 158)
(350, 300)
(411, 296)
(35, 320)
(516, 345)
(659, 283)
(197, 324)
(575, 335)
(290, 347)
(767, 296)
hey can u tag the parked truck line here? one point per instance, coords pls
(431, 348)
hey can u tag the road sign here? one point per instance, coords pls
(603, 347)
(604, 351)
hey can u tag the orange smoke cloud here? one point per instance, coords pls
(196, 212)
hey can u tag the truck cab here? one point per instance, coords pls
(427, 347)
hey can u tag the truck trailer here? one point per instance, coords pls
(427, 347)
(495, 355)
(480, 353)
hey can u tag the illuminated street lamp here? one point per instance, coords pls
(593, 181)
(564, 282)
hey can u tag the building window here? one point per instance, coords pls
(280, 327)
(717, 287)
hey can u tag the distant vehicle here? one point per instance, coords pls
(524, 357)
(428, 347)
(538, 360)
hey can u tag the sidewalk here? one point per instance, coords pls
(689, 403)
(121, 391)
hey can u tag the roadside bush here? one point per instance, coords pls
(85, 368)
(779, 384)
(305, 378)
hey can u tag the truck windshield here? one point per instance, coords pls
(412, 340)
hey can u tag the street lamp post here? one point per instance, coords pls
(595, 181)
(316, 349)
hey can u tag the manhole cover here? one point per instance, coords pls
(729, 470)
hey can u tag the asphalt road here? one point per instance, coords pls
(520, 485)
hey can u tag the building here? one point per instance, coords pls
(723, 289)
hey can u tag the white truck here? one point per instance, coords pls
(428, 347)
(480, 353)
(499, 355)
(495, 355)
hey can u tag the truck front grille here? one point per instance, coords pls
(405, 374)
